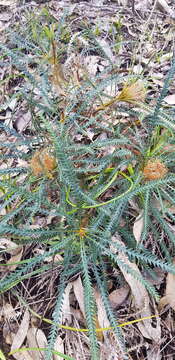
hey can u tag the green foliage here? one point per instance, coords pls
(91, 189)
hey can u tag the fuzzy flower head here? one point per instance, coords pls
(133, 93)
(42, 163)
(154, 170)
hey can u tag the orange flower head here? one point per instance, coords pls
(42, 163)
(49, 162)
(154, 170)
(81, 232)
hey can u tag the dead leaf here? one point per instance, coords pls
(79, 293)
(36, 338)
(140, 295)
(8, 312)
(59, 346)
(106, 48)
(137, 69)
(169, 297)
(16, 256)
(99, 334)
(102, 319)
(22, 356)
(142, 5)
(12, 103)
(7, 245)
(22, 121)
(155, 279)
(91, 64)
(117, 297)
(8, 334)
(170, 99)
(154, 353)
(101, 312)
(162, 5)
(21, 333)
(66, 311)
(138, 226)
(78, 315)
(14, 250)
(7, 2)
(166, 57)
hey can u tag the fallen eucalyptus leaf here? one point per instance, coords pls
(79, 294)
(170, 99)
(117, 297)
(21, 333)
(139, 292)
(59, 346)
(169, 298)
(138, 226)
(36, 339)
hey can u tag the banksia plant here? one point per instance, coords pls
(154, 170)
(93, 197)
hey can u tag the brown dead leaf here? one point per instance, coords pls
(79, 293)
(107, 49)
(91, 64)
(170, 99)
(162, 5)
(142, 5)
(22, 356)
(8, 312)
(169, 298)
(21, 333)
(59, 346)
(99, 334)
(14, 250)
(36, 338)
(155, 279)
(22, 121)
(138, 226)
(78, 315)
(7, 2)
(7, 245)
(66, 311)
(118, 296)
(101, 319)
(140, 295)
(8, 334)
(16, 256)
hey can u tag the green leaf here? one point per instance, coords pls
(2, 357)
